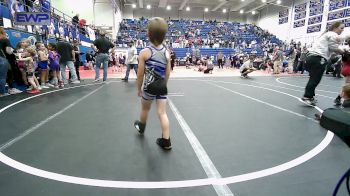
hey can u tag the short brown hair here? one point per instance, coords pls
(335, 25)
(157, 29)
(346, 90)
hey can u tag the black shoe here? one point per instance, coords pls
(125, 79)
(164, 143)
(309, 101)
(140, 127)
(337, 101)
(318, 117)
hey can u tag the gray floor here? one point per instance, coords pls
(95, 138)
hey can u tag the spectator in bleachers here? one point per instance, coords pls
(65, 50)
(75, 20)
(102, 46)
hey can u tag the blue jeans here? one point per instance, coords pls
(4, 66)
(101, 59)
(130, 66)
(71, 67)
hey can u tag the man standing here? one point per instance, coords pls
(67, 54)
(102, 46)
(77, 57)
(131, 61)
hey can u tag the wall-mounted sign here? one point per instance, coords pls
(314, 28)
(283, 20)
(337, 4)
(283, 13)
(300, 8)
(336, 15)
(299, 23)
(300, 15)
(315, 20)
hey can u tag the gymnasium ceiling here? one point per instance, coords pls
(212, 5)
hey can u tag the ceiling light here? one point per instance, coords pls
(242, 0)
(133, 5)
(188, 8)
(206, 9)
(253, 12)
(168, 7)
(224, 10)
(279, 2)
(148, 7)
(264, 1)
(241, 11)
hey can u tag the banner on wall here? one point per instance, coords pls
(315, 20)
(337, 14)
(300, 15)
(347, 22)
(316, 7)
(337, 4)
(299, 23)
(283, 13)
(283, 20)
(314, 28)
(300, 8)
(347, 12)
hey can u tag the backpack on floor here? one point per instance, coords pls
(337, 121)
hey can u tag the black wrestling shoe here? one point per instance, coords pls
(164, 143)
(140, 127)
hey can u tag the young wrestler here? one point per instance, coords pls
(154, 65)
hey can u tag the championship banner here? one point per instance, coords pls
(300, 15)
(283, 20)
(314, 28)
(283, 13)
(336, 15)
(316, 7)
(337, 4)
(300, 8)
(347, 12)
(299, 23)
(347, 22)
(315, 20)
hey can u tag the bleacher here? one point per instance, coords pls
(132, 29)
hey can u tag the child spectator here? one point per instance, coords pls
(54, 59)
(43, 64)
(154, 64)
(28, 58)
